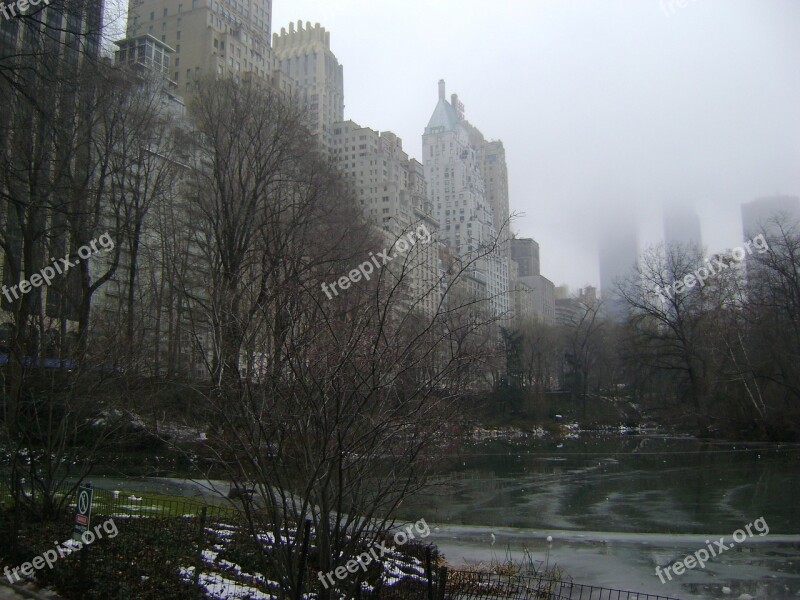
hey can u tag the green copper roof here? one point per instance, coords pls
(444, 118)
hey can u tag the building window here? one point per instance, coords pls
(177, 62)
(165, 11)
(152, 15)
(178, 35)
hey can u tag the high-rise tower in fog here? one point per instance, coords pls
(454, 172)
(682, 227)
(619, 251)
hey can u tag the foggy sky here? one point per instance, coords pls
(602, 105)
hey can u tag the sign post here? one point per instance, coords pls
(83, 511)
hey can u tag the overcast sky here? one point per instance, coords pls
(602, 105)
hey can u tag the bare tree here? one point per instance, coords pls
(675, 322)
(330, 404)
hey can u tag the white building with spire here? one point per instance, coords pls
(458, 196)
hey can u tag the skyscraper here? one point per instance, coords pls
(456, 187)
(619, 251)
(305, 55)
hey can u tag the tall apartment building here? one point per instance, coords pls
(391, 190)
(456, 187)
(305, 56)
(209, 37)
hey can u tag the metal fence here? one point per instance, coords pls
(186, 549)
(470, 585)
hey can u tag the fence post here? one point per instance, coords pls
(442, 582)
(303, 560)
(429, 572)
(203, 514)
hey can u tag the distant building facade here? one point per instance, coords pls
(570, 310)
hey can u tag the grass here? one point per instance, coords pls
(169, 547)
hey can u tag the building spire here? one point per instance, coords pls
(441, 89)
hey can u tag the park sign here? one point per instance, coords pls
(83, 511)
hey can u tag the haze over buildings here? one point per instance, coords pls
(618, 254)
(682, 227)
(658, 114)
(759, 215)
(573, 153)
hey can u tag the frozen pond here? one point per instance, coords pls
(618, 506)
